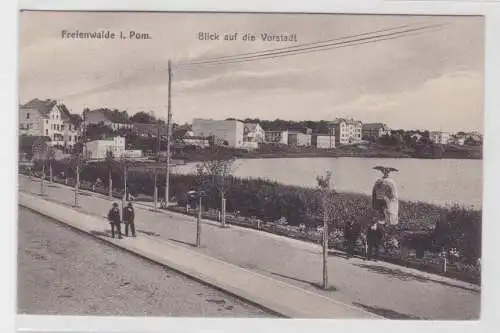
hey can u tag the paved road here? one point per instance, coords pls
(64, 272)
(382, 288)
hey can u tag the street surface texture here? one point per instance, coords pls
(65, 272)
(385, 289)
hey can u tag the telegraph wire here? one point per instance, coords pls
(294, 46)
(269, 54)
(316, 48)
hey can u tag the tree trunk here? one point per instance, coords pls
(198, 225)
(77, 184)
(42, 179)
(51, 178)
(110, 184)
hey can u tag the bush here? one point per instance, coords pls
(270, 201)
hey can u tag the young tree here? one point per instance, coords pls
(40, 149)
(327, 203)
(219, 172)
(51, 157)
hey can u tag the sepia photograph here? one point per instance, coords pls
(250, 165)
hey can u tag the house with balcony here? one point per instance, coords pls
(347, 131)
(47, 118)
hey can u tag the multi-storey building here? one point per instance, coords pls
(347, 131)
(225, 132)
(253, 132)
(277, 137)
(49, 119)
(298, 139)
(439, 137)
(98, 149)
(375, 130)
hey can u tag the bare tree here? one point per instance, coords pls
(327, 203)
(219, 172)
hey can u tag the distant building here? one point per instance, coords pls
(49, 119)
(458, 140)
(323, 141)
(298, 139)
(96, 117)
(347, 131)
(149, 130)
(98, 149)
(253, 132)
(417, 137)
(439, 137)
(375, 130)
(225, 132)
(277, 137)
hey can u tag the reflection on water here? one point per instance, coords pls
(443, 181)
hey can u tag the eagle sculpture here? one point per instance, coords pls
(385, 196)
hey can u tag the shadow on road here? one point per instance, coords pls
(99, 233)
(386, 313)
(406, 276)
(182, 242)
(313, 284)
(148, 233)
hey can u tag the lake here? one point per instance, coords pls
(438, 181)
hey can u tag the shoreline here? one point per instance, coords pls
(470, 153)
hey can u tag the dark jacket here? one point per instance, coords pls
(114, 216)
(128, 214)
(375, 236)
(352, 230)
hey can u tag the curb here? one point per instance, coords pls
(270, 305)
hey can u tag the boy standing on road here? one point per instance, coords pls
(128, 219)
(115, 220)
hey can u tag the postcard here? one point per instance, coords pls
(250, 165)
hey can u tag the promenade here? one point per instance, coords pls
(380, 288)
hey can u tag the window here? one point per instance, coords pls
(46, 121)
(46, 132)
(28, 115)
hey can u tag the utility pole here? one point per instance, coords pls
(156, 164)
(169, 134)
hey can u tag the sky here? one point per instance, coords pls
(432, 80)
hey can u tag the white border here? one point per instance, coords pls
(8, 125)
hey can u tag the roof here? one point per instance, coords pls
(340, 120)
(374, 125)
(148, 128)
(44, 107)
(252, 127)
(115, 116)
